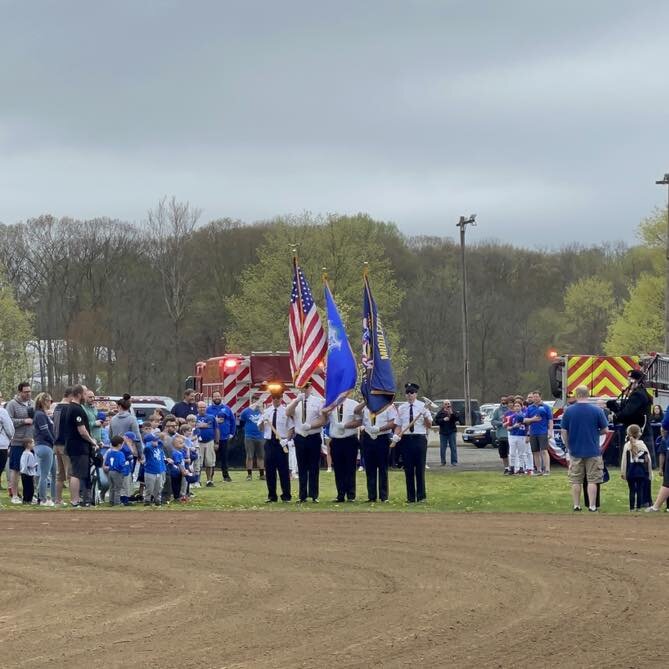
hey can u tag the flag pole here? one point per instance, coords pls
(365, 269)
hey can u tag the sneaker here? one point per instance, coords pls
(17, 500)
(47, 503)
(75, 505)
(227, 479)
(651, 509)
(577, 508)
(547, 473)
(362, 469)
(261, 477)
(210, 484)
(329, 470)
(506, 471)
(249, 478)
(595, 510)
(443, 464)
(537, 474)
(196, 485)
(427, 466)
(35, 501)
(315, 501)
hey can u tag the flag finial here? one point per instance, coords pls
(325, 273)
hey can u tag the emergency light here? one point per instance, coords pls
(230, 363)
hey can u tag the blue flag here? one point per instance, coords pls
(378, 383)
(341, 371)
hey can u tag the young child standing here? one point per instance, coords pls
(636, 468)
(115, 466)
(178, 466)
(154, 470)
(29, 470)
(129, 449)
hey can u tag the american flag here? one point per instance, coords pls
(307, 338)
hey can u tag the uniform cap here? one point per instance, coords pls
(131, 435)
(636, 375)
(411, 387)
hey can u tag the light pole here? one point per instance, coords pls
(462, 224)
(665, 182)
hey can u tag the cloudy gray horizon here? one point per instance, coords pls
(547, 120)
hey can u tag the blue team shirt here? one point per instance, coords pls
(154, 458)
(205, 433)
(515, 421)
(583, 423)
(178, 460)
(226, 428)
(544, 412)
(129, 458)
(116, 462)
(251, 429)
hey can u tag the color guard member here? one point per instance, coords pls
(344, 424)
(413, 421)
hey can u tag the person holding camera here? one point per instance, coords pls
(21, 410)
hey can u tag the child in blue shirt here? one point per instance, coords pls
(177, 466)
(129, 449)
(115, 465)
(154, 469)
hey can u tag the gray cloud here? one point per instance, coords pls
(548, 121)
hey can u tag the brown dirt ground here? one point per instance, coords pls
(213, 589)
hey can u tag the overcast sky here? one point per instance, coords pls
(549, 120)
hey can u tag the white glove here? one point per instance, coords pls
(373, 430)
(306, 427)
(300, 397)
(395, 438)
(283, 442)
(290, 443)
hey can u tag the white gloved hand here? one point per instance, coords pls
(306, 427)
(373, 429)
(290, 443)
(283, 442)
(395, 438)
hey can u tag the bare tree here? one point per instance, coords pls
(170, 226)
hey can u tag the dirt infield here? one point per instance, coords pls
(208, 589)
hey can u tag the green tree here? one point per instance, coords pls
(640, 326)
(259, 312)
(15, 335)
(588, 309)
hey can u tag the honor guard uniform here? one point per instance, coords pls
(278, 431)
(344, 444)
(378, 430)
(306, 410)
(413, 421)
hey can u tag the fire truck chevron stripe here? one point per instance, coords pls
(604, 375)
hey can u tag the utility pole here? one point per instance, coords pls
(462, 224)
(665, 182)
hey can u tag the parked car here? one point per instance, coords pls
(458, 407)
(480, 435)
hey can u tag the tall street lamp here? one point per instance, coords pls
(665, 182)
(462, 224)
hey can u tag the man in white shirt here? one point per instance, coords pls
(412, 423)
(378, 429)
(278, 432)
(306, 411)
(344, 424)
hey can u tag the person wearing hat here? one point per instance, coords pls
(343, 429)
(412, 424)
(306, 411)
(278, 430)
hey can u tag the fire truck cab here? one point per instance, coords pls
(240, 378)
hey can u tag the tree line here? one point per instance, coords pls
(124, 307)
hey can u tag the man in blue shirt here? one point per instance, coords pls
(254, 444)
(226, 424)
(206, 433)
(540, 421)
(181, 410)
(582, 425)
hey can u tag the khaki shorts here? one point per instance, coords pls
(592, 468)
(207, 454)
(254, 448)
(62, 463)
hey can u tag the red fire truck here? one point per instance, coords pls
(241, 378)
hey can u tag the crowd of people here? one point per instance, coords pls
(171, 454)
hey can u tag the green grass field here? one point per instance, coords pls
(446, 490)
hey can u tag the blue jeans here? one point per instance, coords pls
(448, 441)
(47, 468)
